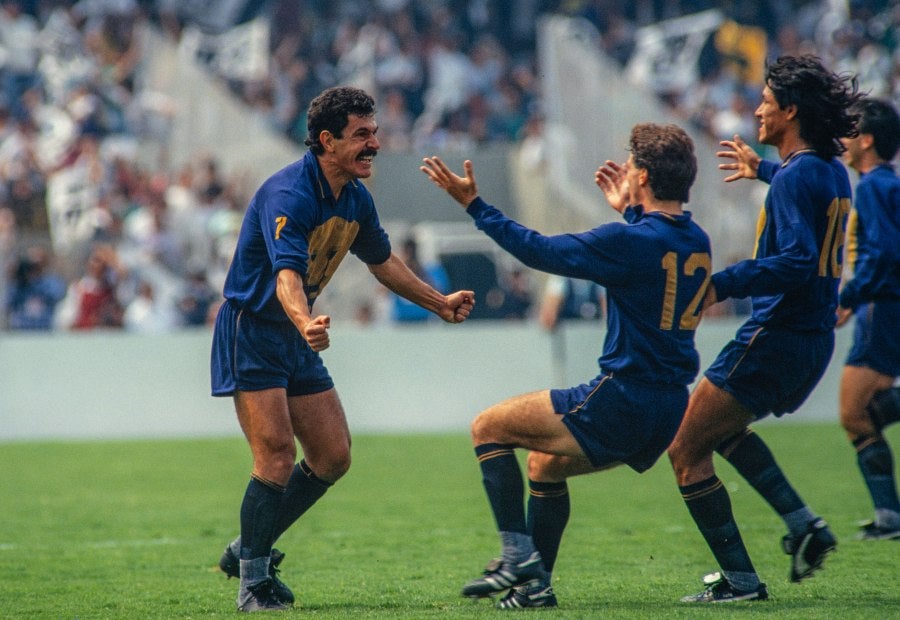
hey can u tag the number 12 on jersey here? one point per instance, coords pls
(690, 318)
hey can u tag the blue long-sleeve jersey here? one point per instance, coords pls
(794, 275)
(655, 268)
(874, 235)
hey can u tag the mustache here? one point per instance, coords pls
(369, 153)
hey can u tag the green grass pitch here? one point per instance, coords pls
(134, 529)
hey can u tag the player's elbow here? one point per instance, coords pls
(798, 267)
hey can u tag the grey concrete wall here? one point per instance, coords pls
(391, 379)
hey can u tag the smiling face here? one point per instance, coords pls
(773, 120)
(860, 153)
(351, 155)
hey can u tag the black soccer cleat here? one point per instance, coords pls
(528, 597)
(500, 576)
(230, 564)
(808, 550)
(719, 590)
(261, 597)
(869, 530)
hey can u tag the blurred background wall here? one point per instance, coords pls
(432, 378)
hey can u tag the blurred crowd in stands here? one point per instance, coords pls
(446, 74)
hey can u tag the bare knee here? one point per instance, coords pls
(481, 430)
(545, 467)
(859, 387)
(675, 453)
(713, 415)
(274, 460)
(856, 423)
(689, 464)
(330, 466)
(537, 467)
(337, 466)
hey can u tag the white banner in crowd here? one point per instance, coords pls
(71, 208)
(666, 53)
(241, 53)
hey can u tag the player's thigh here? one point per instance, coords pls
(321, 428)
(712, 416)
(858, 385)
(543, 467)
(526, 421)
(265, 421)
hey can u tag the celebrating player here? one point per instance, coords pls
(868, 400)
(266, 345)
(655, 267)
(780, 353)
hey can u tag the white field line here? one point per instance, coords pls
(105, 544)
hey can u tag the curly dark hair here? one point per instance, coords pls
(666, 152)
(879, 118)
(823, 99)
(330, 111)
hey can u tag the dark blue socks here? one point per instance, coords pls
(710, 507)
(548, 514)
(877, 466)
(503, 483)
(303, 490)
(262, 500)
(748, 454)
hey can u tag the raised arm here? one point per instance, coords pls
(563, 254)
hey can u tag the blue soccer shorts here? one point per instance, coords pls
(876, 338)
(250, 354)
(615, 421)
(772, 370)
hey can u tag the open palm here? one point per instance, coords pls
(612, 180)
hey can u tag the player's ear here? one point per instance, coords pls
(326, 139)
(866, 141)
(643, 176)
(791, 111)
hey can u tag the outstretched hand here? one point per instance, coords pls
(462, 189)
(746, 161)
(611, 179)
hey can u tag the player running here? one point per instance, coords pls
(780, 353)
(868, 400)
